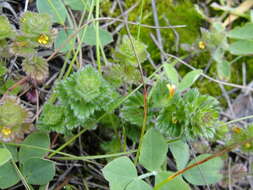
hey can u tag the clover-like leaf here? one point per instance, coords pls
(38, 171)
(177, 183)
(5, 156)
(55, 8)
(120, 172)
(153, 151)
(206, 173)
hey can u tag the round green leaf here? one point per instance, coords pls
(38, 171)
(5, 156)
(105, 37)
(55, 8)
(8, 176)
(138, 185)
(78, 5)
(120, 172)
(181, 153)
(61, 38)
(189, 79)
(241, 47)
(38, 139)
(13, 150)
(177, 183)
(204, 174)
(224, 70)
(243, 32)
(154, 150)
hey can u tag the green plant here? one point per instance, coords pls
(26, 163)
(35, 31)
(82, 97)
(121, 172)
(15, 120)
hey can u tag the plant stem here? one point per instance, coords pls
(139, 25)
(220, 153)
(97, 38)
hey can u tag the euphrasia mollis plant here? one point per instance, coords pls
(82, 97)
(35, 31)
(15, 120)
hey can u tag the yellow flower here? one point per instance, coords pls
(237, 130)
(6, 131)
(43, 39)
(202, 45)
(247, 145)
(172, 89)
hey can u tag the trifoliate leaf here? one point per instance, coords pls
(206, 173)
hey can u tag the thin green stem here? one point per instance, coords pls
(139, 25)
(85, 158)
(97, 38)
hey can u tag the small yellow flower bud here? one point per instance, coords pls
(6, 131)
(247, 145)
(202, 45)
(172, 89)
(237, 130)
(43, 39)
(174, 120)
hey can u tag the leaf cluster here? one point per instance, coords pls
(191, 115)
(82, 97)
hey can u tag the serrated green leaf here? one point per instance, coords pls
(34, 24)
(138, 184)
(5, 156)
(204, 174)
(242, 32)
(36, 68)
(8, 176)
(181, 153)
(241, 47)
(6, 29)
(120, 172)
(189, 79)
(177, 183)
(132, 110)
(125, 53)
(38, 171)
(3, 70)
(55, 8)
(153, 151)
(39, 139)
(224, 70)
(171, 73)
